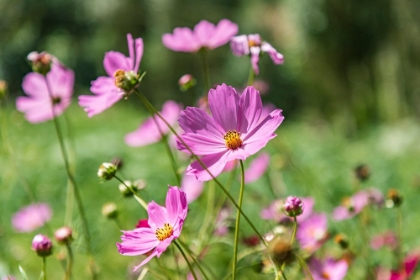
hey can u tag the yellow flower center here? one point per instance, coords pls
(119, 76)
(252, 43)
(325, 275)
(232, 139)
(165, 232)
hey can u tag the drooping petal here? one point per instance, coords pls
(214, 163)
(224, 107)
(114, 61)
(257, 168)
(157, 215)
(276, 57)
(192, 187)
(251, 105)
(255, 57)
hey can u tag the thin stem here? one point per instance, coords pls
(203, 53)
(154, 111)
(186, 259)
(295, 224)
(238, 219)
(251, 76)
(210, 206)
(73, 182)
(44, 268)
(193, 258)
(304, 267)
(69, 261)
(138, 198)
(168, 276)
(400, 256)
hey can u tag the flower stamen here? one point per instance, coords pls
(126, 80)
(165, 232)
(232, 139)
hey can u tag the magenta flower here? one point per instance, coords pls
(122, 78)
(31, 217)
(355, 204)
(257, 168)
(204, 35)
(45, 98)
(312, 232)
(328, 270)
(42, 245)
(276, 213)
(405, 271)
(165, 225)
(253, 45)
(234, 131)
(191, 187)
(148, 132)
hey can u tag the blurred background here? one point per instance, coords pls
(353, 63)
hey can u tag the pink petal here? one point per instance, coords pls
(224, 106)
(203, 32)
(60, 81)
(139, 53)
(239, 45)
(176, 205)
(214, 163)
(255, 57)
(251, 105)
(257, 168)
(191, 187)
(201, 145)
(151, 256)
(114, 61)
(137, 243)
(157, 215)
(181, 40)
(223, 32)
(34, 85)
(194, 120)
(276, 57)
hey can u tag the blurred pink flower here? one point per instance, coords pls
(43, 98)
(355, 204)
(276, 212)
(387, 238)
(222, 222)
(312, 232)
(192, 187)
(253, 45)
(31, 217)
(406, 270)
(204, 35)
(257, 168)
(106, 92)
(165, 225)
(148, 132)
(234, 131)
(328, 270)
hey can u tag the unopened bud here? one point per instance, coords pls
(42, 245)
(129, 187)
(41, 62)
(186, 82)
(63, 235)
(395, 199)
(293, 206)
(3, 89)
(362, 172)
(107, 171)
(109, 210)
(341, 240)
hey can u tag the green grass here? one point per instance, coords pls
(308, 159)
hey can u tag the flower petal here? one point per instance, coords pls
(137, 242)
(214, 163)
(255, 57)
(139, 47)
(257, 168)
(157, 215)
(146, 260)
(223, 32)
(176, 205)
(203, 32)
(201, 145)
(182, 40)
(224, 106)
(194, 120)
(191, 187)
(276, 57)
(114, 61)
(251, 105)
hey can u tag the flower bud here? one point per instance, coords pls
(132, 187)
(362, 172)
(118, 162)
(63, 235)
(109, 210)
(42, 245)
(395, 199)
(3, 89)
(107, 171)
(41, 62)
(186, 82)
(293, 206)
(342, 241)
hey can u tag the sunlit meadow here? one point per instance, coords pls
(221, 185)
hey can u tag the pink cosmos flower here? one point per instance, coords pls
(257, 168)
(276, 213)
(387, 238)
(328, 270)
(120, 69)
(234, 131)
(31, 217)
(43, 98)
(253, 45)
(406, 270)
(165, 225)
(204, 35)
(191, 187)
(148, 132)
(312, 233)
(355, 204)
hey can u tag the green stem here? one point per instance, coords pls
(44, 268)
(251, 76)
(154, 111)
(73, 182)
(203, 53)
(193, 258)
(304, 267)
(295, 224)
(208, 215)
(238, 219)
(186, 259)
(400, 256)
(138, 198)
(69, 261)
(168, 276)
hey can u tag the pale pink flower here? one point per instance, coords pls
(234, 131)
(165, 225)
(31, 217)
(192, 187)
(222, 222)
(45, 98)
(312, 232)
(328, 270)
(151, 130)
(257, 168)
(276, 213)
(387, 238)
(253, 45)
(106, 92)
(204, 35)
(355, 204)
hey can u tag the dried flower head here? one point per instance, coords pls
(394, 198)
